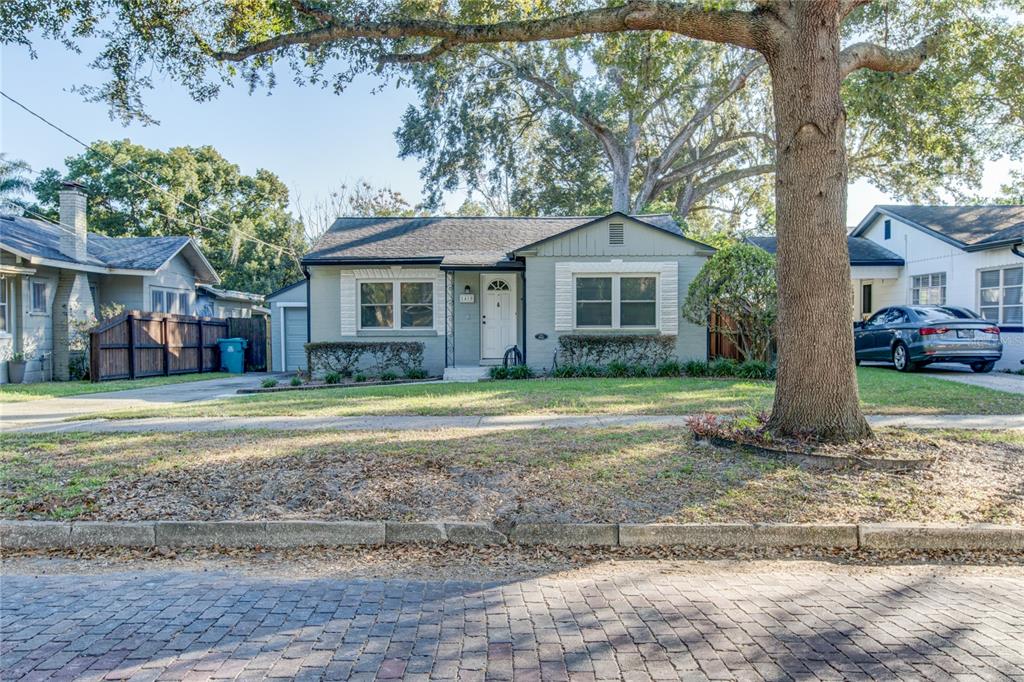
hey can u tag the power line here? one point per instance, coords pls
(231, 229)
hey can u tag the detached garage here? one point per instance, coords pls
(288, 325)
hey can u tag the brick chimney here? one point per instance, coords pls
(74, 227)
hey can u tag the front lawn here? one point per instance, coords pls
(18, 393)
(638, 474)
(883, 391)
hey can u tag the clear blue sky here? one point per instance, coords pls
(311, 138)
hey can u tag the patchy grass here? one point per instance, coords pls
(614, 474)
(883, 391)
(17, 393)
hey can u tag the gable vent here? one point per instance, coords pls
(616, 233)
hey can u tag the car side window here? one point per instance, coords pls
(895, 316)
(877, 319)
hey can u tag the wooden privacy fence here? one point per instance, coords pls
(720, 345)
(136, 344)
(253, 330)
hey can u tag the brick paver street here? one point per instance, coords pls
(717, 623)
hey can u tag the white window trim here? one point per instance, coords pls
(31, 297)
(7, 285)
(616, 300)
(396, 303)
(943, 288)
(1001, 269)
(177, 293)
(667, 297)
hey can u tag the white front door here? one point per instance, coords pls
(497, 315)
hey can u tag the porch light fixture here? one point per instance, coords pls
(467, 290)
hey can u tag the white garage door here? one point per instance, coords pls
(294, 339)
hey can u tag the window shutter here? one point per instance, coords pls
(349, 304)
(669, 284)
(440, 307)
(563, 297)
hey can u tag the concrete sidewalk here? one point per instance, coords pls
(53, 411)
(502, 423)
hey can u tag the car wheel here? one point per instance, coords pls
(901, 358)
(982, 367)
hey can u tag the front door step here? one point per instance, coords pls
(465, 374)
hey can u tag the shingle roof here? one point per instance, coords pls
(480, 240)
(40, 239)
(976, 226)
(862, 251)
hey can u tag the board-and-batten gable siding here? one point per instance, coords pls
(638, 240)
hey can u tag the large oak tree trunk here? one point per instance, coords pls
(816, 391)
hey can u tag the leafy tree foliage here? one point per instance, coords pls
(739, 284)
(233, 208)
(14, 181)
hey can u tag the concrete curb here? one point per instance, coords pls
(293, 534)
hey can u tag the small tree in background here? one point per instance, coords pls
(739, 284)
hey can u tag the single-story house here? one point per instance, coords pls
(215, 302)
(969, 256)
(288, 327)
(53, 275)
(471, 288)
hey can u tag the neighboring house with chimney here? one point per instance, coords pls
(52, 275)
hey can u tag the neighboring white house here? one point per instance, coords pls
(216, 302)
(969, 256)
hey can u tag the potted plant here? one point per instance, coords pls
(16, 367)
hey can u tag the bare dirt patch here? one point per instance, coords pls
(614, 475)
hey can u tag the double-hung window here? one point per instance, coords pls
(37, 296)
(413, 301)
(5, 307)
(170, 301)
(1000, 295)
(929, 289)
(616, 301)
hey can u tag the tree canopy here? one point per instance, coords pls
(196, 192)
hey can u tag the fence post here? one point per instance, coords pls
(131, 345)
(94, 356)
(167, 348)
(202, 348)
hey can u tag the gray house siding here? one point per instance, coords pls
(325, 322)
(591, 245)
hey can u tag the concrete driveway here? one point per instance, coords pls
(55, 410)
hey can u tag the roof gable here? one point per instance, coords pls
(971, 228)
(481, 240)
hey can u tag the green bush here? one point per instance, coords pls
(520, 372)
(755, 369)
(388, 376)
(672, 368)
(695, 368)
(345, 357)
(605, 349)
(722, 367)
(514, 372)
(268, 383)
(578, 371)
(332, 378)
(360, 378)
(296, 380)
(617, 369)
(416, 373)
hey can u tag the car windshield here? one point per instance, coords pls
(939, 313)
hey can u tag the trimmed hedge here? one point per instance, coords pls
(605, 349)
(725, 368)
(345, 358)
